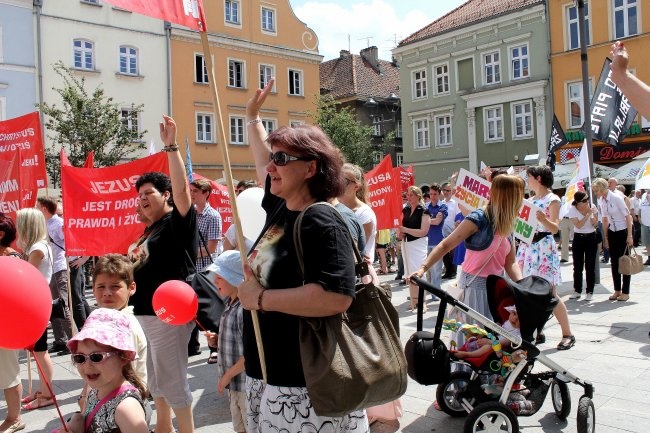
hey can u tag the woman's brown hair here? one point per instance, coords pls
(506, 197)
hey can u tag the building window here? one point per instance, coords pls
(295, 82)
(376, 125)
(573, 36)
(237, 130)
(266, 73)
(130, 120)
(200, 69)
(236, 74)
(204, 128)
(268, 20)
(421, 133)
(377, 157)
(84, 57)
(128, 60)
(625, 18)
(441, 78)
(576, 117)
(269, 125)
(443, 131)
(522, 120)
(232, 12)
(399, 158)
(519, 62)
(419, 79)
(491, 68)
(398, 128)
(493, 123)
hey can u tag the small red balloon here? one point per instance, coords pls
(26, 303)
(175, 302)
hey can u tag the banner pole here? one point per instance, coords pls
(231, 189)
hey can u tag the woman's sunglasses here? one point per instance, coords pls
(282, 158)
(95, 357)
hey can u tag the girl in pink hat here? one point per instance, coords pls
(102, 352)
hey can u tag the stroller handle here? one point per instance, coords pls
(423, 284)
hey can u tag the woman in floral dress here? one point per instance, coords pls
(540, 257)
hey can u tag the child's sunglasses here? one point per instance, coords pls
(282, 158)
(95, 357)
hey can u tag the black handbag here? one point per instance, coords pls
(352, 360)
(211, 305)
(58, 309)
(427, 355)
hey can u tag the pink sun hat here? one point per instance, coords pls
(108, 327)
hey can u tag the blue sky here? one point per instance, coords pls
(356, 24)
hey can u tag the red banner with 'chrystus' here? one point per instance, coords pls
(99, 206)
(188, 13)
(24, 133)
(220, 200)
(384, 193)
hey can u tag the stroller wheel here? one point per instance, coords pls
(586, 421)
(561, 399)
(450, 394)
(491, 417)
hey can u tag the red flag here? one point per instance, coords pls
(64, 158)
(15, 193)
(24, 133)
(99, 206)
(220, 200)
(90, 160)
(385, 195)
(405, 176)
(188, 13)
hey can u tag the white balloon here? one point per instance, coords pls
(251, 213)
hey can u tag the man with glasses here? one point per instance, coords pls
(448, 227)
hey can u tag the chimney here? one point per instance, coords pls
(344, 53)
(370, 55)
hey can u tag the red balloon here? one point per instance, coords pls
(26, 303)
(175, 302)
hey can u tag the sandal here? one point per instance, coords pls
(566, 343)
(39, 402)
(540, 338)
(614, 296)
(213, 358)
(30, 398)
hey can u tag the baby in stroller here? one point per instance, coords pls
(477, 347)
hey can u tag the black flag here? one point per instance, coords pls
(555, 141)
(612, 113)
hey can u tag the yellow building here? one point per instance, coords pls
(606, 21)
(250, 42)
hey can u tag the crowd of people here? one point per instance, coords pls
(127, 357)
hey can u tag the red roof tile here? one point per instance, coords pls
(468, 13)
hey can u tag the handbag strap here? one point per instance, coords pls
(103, 401)
(204, 246)
(361, 266)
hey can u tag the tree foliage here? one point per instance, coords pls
(347, 133)
(88, 122)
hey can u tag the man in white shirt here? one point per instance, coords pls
(644, 218)
(636, 221)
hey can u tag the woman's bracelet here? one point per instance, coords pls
(172, 148)
(259, 301)
(254, 121)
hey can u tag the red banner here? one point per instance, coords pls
(90, 160)
(14, 193)
(24, 133)
(99, 206)
(188, 13)
(405, 175)
(384, 192)
(220, 200)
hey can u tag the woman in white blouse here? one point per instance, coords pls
(585, 245)
(617, 227)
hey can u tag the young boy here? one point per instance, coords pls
(228, 274)
(477, 347)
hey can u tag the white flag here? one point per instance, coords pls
(643, 178)
(577, 183)
(152, 148)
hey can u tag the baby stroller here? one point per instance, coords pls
(520, 391)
